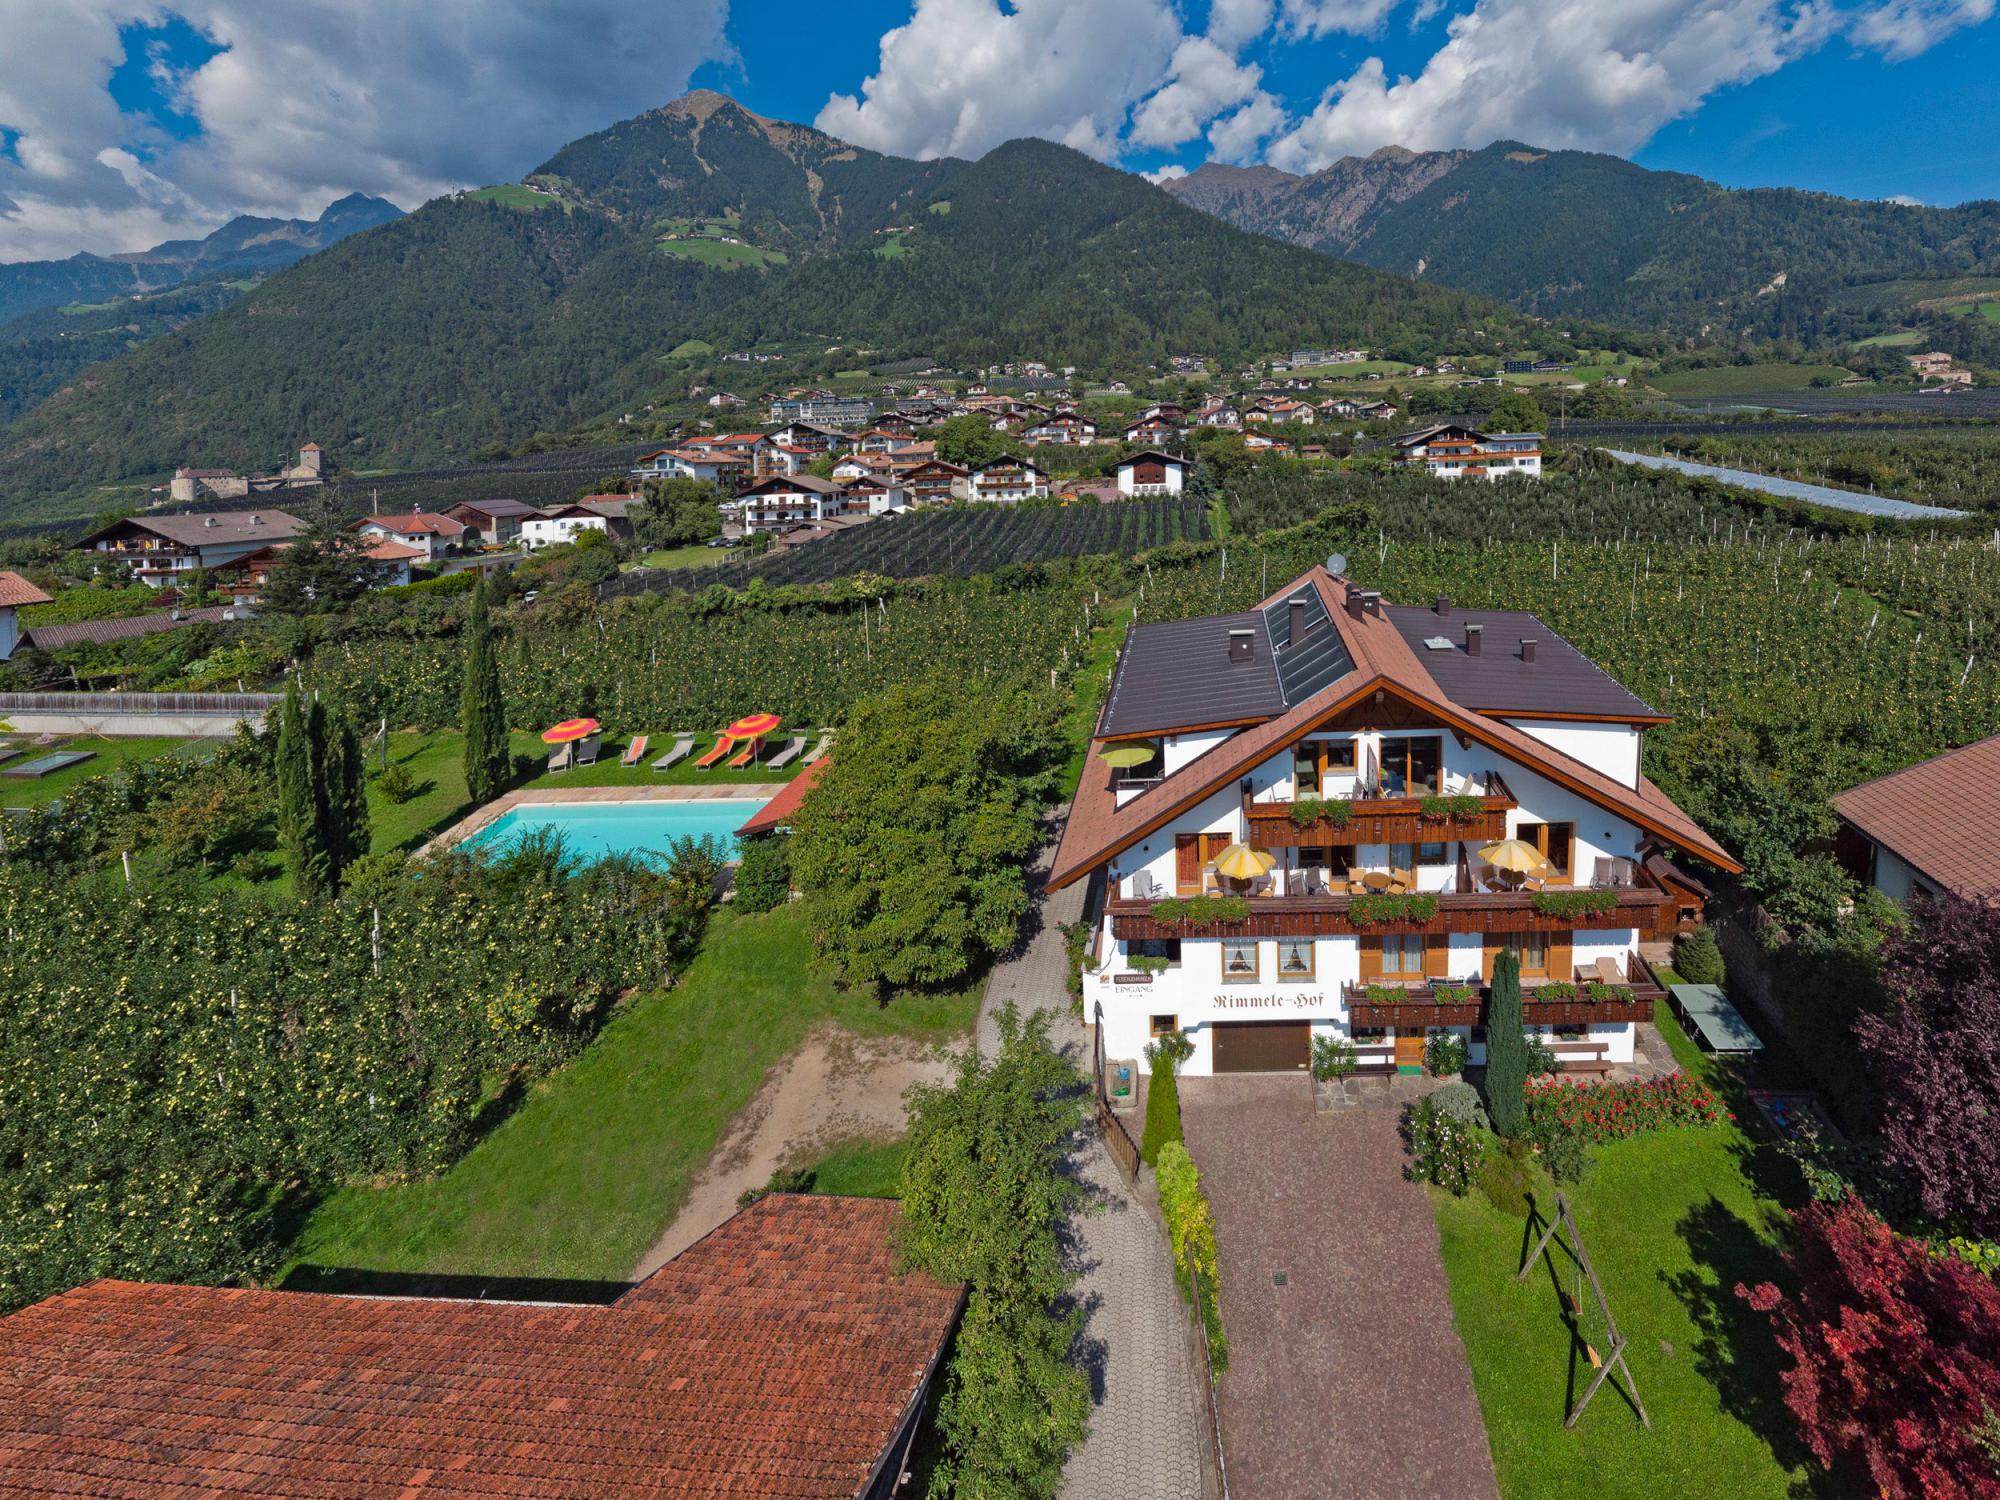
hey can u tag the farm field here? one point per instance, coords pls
(1738, 380)
(1910, 292)
(1990, 311)
(581, 1178)
(722, 253)
(516, 195)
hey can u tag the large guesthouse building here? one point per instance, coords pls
(1329, 815)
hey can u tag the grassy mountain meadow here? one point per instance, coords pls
(495, 315)
(1580, 234)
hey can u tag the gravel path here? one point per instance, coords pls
(1147, 1419)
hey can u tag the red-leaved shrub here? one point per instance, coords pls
(1895, 1356)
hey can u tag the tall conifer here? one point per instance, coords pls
(301, 835)
(489, 763)
(1506, 1048)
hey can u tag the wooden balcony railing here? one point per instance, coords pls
(1375, 819)
(1443, 1003)
(1645, 906)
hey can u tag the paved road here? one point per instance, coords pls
(1146, 1425)
(1346, 1378)
(1793, 489)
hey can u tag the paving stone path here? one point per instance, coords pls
(1147, 1418)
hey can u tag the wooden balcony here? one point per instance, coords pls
(1430, 1004)
(1645, 906)
(1385, 820)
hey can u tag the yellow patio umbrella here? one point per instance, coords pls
(1514, 854)
(1126, 756)
(1241, 862)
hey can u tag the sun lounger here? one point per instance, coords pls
(818, 752)
(634, 752)
(563, 759)
(586, 753)
(682, 749)
(42, 765)
(794, 748)
(744, 756)
(716, 753)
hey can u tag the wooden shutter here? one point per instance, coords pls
(1371, 959)
(1491, 951)
(1560, 966)
(1187, 862)
(1437, 955)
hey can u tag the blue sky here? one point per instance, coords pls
(125, 122)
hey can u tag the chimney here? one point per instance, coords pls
(1353, 602)
(1444, 605)
(1241, 645)
(1371, 602)
(1528, 650)
(1472, 635)
(1295, 621)
(255, 519)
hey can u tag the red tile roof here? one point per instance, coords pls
(778, 811)
(779, 1356)
(16, 591)
(1098, 828)
(1941, 816)
(415, 523)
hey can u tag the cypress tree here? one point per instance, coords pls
(341, 801)
(1506, 1048)
(489, 763)
(301, 830)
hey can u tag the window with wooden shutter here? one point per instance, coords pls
(1561, 965)
(1371, 959)
(1437, 955)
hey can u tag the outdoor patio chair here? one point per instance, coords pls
(818, 751)
(1402, 880)
(563, 759)
(1145, 888)
(683, 747)
(794, 748)
(634, 752)
(716, 753)
(1355, 885)
(586, 750)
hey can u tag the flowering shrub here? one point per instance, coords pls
(1444, 1149)
(1599, 1112)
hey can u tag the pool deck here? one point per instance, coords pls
(506, 802)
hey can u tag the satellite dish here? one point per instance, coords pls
(1337, 564)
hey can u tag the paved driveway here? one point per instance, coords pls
(1348, 1380)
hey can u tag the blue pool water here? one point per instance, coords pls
(595, 829)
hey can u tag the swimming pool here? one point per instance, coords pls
(595, 829)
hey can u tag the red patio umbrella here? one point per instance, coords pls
(750, 726)
(569, 729)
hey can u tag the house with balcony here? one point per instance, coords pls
(430, 534)
(164, 549)
(1450, 451)
(777, 503)
(1928, 828)
(935, 482)
(1329, 815)
(1152, 473)
(1008, 481)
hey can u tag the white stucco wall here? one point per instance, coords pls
(1610, 748)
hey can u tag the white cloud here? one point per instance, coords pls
(1167, 173)
(1231, 23)
(313, 99)
(1206, 81)
(1566, 73)
(1901, 29)
(961, 76)
(1236, 137)
(1318, 18)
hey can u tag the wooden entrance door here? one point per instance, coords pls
(1409, 1047)
(1262, 1046)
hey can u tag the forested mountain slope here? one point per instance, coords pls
(1579, 234)
(491, 316)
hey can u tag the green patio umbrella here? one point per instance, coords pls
(1126, 756)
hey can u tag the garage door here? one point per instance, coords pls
(1262, 1046)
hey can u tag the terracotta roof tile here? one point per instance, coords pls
(1941, 816)
(778, 1357)
(16, 591)
(774, 813)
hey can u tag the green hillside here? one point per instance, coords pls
(472, 322)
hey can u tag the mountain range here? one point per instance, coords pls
(245, 246)
(1569, 234)
(542, 305)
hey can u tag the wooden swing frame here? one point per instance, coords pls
(1615, 1355)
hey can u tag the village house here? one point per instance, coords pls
(1281, 409)
(785, 1354)
(15, 593)
(774, 503)
(812, 437)
(1008, 481)
(1064, 429)
(1422, 788)
(1338, 409)
(616, 509)
(725, 469)
(1931, 827)
(1450, 451)
(559, 524)
(873, 495)
(833, 411)
(1151, 473)
(432, 535)
(935, 482)
(1151, 430)
(1264, 442)
(1217, 412)
(492, 522)
(164, 549)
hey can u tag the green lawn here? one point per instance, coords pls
(111, 754)
(436, 761)
(893, 248)
(1902, 338)
(592, 1166)
(722, 253)
(517, 195)
(1987, 310)
(690, 349)
(696, 556)
(860, 1169)
(1739, 380)
(1673, 1221)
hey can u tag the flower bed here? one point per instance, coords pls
(1601, 1112)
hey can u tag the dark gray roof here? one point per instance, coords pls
(1177, 673)
(499, 510)
(98, 632)
(1562, 681)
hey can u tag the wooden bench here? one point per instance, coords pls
(1581, 1057)
(1375, 1062)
